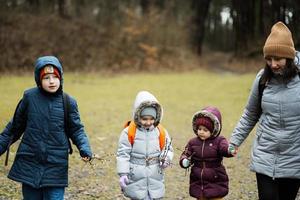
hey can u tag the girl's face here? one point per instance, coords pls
(277, 64)
(147, 121)
(203, 133)
(50, 83)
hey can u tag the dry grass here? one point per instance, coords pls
(105, 102)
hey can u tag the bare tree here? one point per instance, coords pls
(33, 6)
(79, 4)
(295, 22)
(62, 8)
(243, 15)
(198, 23)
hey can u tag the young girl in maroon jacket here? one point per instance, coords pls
(204, 153)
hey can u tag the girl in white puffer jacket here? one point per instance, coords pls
(144, 150)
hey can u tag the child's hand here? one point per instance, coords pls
(123, 181)
(86, 159)
(165, 164)
(186, 163)
(232, 149)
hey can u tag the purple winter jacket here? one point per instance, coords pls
(208, 177)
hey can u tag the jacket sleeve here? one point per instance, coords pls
(250, 115)
(223, 147)
(186, 154)
(77, 132)
(123, 153)
(14, 130)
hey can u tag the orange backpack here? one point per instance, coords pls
(132, 129)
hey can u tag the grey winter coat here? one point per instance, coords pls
(276, 148)
(140, 161)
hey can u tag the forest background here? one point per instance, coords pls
(141, 35)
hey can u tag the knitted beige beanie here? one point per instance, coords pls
(280, 42)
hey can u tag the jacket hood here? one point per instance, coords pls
(214, 114)
(43, 61)
(146, 99)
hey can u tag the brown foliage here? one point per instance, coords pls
(26, 37)
(82, 45)
(139, 43)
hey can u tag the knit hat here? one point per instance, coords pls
(213, 114)
(205, 121)
(49, 69)
(149, 111)
(280, 42)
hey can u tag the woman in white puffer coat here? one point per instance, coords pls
(144, 151)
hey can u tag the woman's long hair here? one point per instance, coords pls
(289, 71)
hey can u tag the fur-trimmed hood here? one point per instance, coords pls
(214, 114)
(145, 99)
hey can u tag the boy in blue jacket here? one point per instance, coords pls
(41, 162)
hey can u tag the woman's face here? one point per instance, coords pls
(277, 64)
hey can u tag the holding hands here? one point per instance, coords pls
(233, 149)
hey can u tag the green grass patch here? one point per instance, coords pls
(105, 103)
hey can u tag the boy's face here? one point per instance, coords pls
(50, 83)
(147, 121)
(203, 133)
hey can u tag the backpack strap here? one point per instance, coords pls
(132, 130)
(162, 136)
(14, 137)
(66, 102)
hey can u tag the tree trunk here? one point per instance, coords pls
(34, 5)
(260, 17)
(295, 23)
(243, 24)
(62, 8)
(79, 4)
(198, 23)
(278, 10)
(145, 4)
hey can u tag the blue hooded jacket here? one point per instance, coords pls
(42, 157)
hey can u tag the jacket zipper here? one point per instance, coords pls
(147, 141)
(281, 124)
(201, 176)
